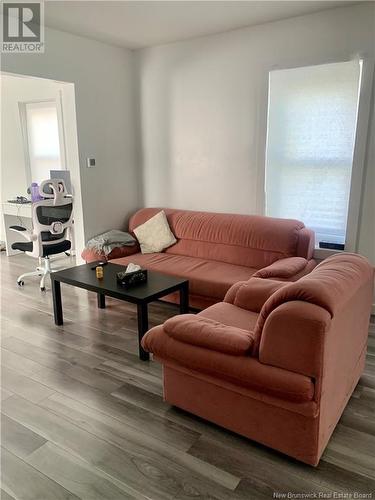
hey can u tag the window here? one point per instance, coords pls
(312, 120)
(42, 137)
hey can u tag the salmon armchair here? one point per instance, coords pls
(275, 361)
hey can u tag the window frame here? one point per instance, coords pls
(359, 156)
(25, 133)
(359, 152)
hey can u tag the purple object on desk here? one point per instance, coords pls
(34, 190)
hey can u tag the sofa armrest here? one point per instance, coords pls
(90, 255)
(306, 243)
(252, 294)
(283, 268)
(210, 334)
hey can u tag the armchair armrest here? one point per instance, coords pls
(252, 294)
(293, 338)
(210, 334)
(24, 233)
(283, 268)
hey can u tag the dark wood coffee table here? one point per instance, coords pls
(158, 285)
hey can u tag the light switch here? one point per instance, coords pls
(90, 162)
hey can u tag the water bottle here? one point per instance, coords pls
(34, 190)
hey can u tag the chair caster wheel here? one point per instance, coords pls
(20, 283)
(42, 288)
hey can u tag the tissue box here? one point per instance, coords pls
(127, 280)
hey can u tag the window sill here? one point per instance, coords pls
(323, 253)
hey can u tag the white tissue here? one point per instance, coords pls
(132, 268)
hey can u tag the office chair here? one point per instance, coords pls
(51, 219)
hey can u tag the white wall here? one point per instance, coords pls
(104, 84)
(203, 109)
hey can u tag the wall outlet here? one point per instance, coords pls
(90, 162)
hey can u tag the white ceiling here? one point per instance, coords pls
(137, 24)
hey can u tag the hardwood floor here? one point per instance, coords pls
(82, 417)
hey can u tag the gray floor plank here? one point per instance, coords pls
(20, 364)
(113, 431)
(4, 394)
(18, 439)
(26, 483)
(264, 478)
(146, 472)
(132, 376)
(50, 354)
(5, 496)
(76, 475)
(269, 472)
(134, 416)
(24, 386)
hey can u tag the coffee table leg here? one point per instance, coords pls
(101, 300)
(184, 298)
(142, 311)
(57, 305)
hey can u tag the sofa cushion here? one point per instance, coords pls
(252, 294)
(206, 278)
(284, 269)
(244, 371)
(231, 315)
(155, 235)
(244, 240)
(208, 333)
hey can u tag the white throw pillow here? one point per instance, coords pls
(155, 234)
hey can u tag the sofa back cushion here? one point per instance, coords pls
(245, 240)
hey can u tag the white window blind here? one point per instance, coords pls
(312, 119)
(43, 139)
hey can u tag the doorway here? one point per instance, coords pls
(38, 135)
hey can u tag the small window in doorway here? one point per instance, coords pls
(43, 144)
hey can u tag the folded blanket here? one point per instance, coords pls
(109, 240)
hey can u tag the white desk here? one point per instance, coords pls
(15, 214)
(20, 214)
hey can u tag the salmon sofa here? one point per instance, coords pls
(214, 251)
(275, 361)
